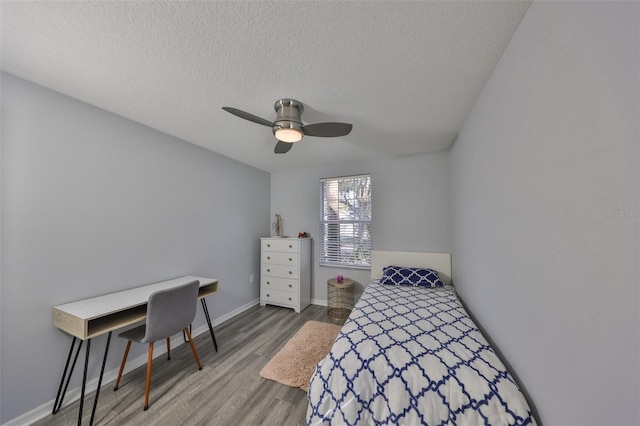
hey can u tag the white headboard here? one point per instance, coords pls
(440, 262)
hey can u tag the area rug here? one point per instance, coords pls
(295, 363)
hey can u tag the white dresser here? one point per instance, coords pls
(285, 272)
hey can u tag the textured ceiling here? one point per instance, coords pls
(405, 74)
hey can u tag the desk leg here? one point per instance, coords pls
(84, 380)
(184, 335)
(104, 361)
(206, 315)
(61, 393)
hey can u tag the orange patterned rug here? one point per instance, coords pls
(295, 363)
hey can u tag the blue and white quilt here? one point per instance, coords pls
(412, 355)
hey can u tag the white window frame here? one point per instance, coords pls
(352, 248)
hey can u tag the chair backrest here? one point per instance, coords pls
(170, 311)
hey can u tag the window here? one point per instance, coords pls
(345, 221)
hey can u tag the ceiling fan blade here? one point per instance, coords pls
(247, 116)
(327, 130)
(282, 147)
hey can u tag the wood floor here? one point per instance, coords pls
(227, 391)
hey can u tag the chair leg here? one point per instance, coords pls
(148, 381)
(193, 348)
(124, 361)
(168, 349)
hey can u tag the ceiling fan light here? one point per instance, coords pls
(288, 134)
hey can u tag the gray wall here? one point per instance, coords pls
(93, 203)
(546, 159)
(528, 200)
(410, 201)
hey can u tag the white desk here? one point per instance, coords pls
(85, 319)
(92, 317)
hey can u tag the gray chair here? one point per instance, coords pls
(168, 312)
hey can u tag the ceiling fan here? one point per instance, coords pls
(288, 127)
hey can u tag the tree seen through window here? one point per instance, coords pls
(346, 221)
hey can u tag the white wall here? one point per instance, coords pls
(93, 203)
(410, 201)
(548, 153)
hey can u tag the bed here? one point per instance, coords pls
(411, 355)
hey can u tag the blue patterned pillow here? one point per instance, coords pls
(416, 277)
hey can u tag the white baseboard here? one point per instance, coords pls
(319, 302)
(73, 395)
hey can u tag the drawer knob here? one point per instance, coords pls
(289, 299)
(268, 245)
(290, 246)
(268, 257)
(290, 273)
(290, 260)
(268, 282)
(290, 286)
(268, 270)
(267, 294)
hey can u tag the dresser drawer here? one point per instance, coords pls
(289, 245)
(279, 258)
(278, 297)
(283, 271)
(277, 283)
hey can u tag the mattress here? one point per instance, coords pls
(412, 355)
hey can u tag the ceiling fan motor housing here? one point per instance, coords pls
(288, 113)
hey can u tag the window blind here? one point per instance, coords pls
(345, 222)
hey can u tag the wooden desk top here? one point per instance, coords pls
(98, 315)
